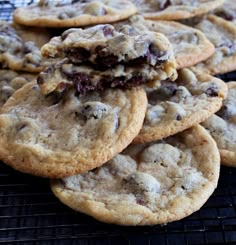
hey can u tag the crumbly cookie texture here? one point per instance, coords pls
(102, 56)
(222, 127)
(147, 184)
(10, 81)
(55, 136)
(179, 105)
(222, 34)
(227, 11)
(174, 9)
(17, 54)
(73, 13)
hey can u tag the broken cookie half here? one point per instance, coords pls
(100, 57)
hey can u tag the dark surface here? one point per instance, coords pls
(30, 214)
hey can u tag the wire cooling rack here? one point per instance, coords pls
(30, 214)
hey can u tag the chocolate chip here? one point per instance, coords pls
(77, 55)
(157, 56)
(212, 91)
(178, 118)
(223, 112)
(20, 127)
(107, 31)
(104, 59)
(165, 4)
(226, 15)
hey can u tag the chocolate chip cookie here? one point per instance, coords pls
(10, 81)
(54, 136)
(147, 184)
(17, 54)
(72, 13)
(227, 11)
(222, 34)
(179, 105)
(222, 127)
(101, 56)
(189, 44)
(174, 9)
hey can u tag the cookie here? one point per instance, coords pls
(74, 13)
(39, 36)
(222, 34)
(176, 106)
(15, 53)
(147, 184)
(101, 56)
(10, 81)
(189, 44)
(222, 127)
(59, 135)
(227, 11)
(174, 9)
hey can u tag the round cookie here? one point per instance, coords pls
(10, 81)
(17, 54)
(174, 9)
(59, 135)
(148, 184)
(176, 106)
(227, 11)
(73, 13)
(189, 44)
(222, 34)
(222, 127)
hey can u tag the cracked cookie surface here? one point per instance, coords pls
(176, 106)
(55, 136)
(73, 13)
(147, 184)
(222, 127)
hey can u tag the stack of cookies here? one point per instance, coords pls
(113, 114)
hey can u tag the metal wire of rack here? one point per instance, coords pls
(30, 214)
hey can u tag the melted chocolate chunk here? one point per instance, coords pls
(226, 15)
(77, 55)
(165, 5)
(104, 59)
(178, 118)
(212, 91)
